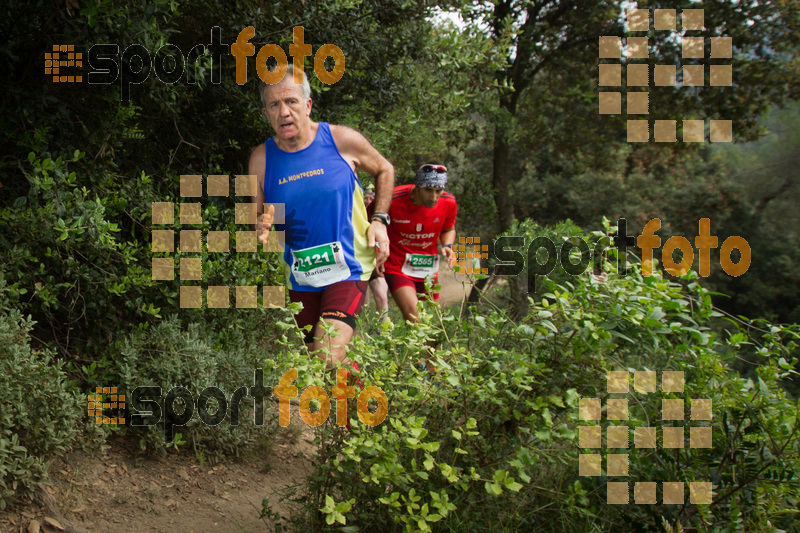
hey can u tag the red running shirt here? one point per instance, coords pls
(415, 229)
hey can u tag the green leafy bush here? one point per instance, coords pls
(41, 412)
(68, 266)
(490, 440)
(196, 357)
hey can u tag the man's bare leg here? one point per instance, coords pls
(406, 299)
(336, 345)
(380, 293)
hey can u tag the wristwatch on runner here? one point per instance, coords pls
(383, 217)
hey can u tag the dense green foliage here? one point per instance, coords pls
(196, 358)
(490, 440)
(42, 414)
(77, 185)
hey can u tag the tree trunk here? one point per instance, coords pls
(503, 167)
(477, 289)
(500, 180)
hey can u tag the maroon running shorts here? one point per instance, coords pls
(340, 301)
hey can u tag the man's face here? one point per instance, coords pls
(430, 195)
(287, 112)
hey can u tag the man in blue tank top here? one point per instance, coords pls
(331, 247)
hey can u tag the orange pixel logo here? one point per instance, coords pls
(63, 55)
(97, 403)
(470, 261)
(190, 264)
(618, 435)
(637, 74)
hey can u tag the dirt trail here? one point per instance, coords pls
(122, 490)
(455, 286)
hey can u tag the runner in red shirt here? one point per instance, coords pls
(422, 215)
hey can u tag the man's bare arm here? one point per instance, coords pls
(256, 170)
(357, 150)
(448, 237)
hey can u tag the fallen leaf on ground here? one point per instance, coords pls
(53, 522)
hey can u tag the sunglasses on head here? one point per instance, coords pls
(438, 168)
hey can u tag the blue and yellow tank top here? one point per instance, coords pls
(326, 221)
